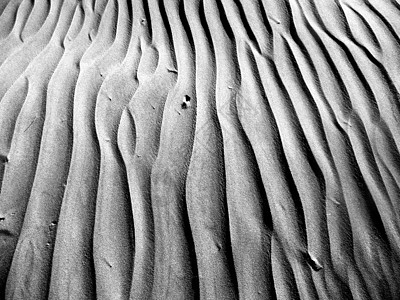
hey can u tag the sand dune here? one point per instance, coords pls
(199, 149)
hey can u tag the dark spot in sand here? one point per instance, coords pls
(6, 233)
(3, 159)
(274, 20)
(91, 35)
(172, 70)
(186, 102)
(52, 227)
(313, 262)
(107, 263)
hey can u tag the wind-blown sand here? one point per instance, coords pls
(200, 149)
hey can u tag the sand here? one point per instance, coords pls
(199, 149)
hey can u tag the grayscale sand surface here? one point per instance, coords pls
(200, 149)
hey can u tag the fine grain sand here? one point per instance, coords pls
(200, 149)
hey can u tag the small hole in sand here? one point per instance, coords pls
(313, 262)
(186, 102)
(2, 219)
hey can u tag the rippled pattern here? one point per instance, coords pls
(200, 149)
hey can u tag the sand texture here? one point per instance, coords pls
(200, 149)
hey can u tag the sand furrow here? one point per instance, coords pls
(13, 40)
(3, 6)
(20, 172)
(333, 193)
(317, 180)
(360, 107)
(205, 186)
(140, 276)
(384, 81)
(380, 104)
(44, 204)
(112, 233)
(12, 13)
(301, 181)
(12, 103)
(247, 104)
(23, 13)
(73, 270)
(19, 60)
(325, 88)
(175, 264)
(284, 281)
(36, 19)
(146, 109)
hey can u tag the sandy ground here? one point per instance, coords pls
(200, 149)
